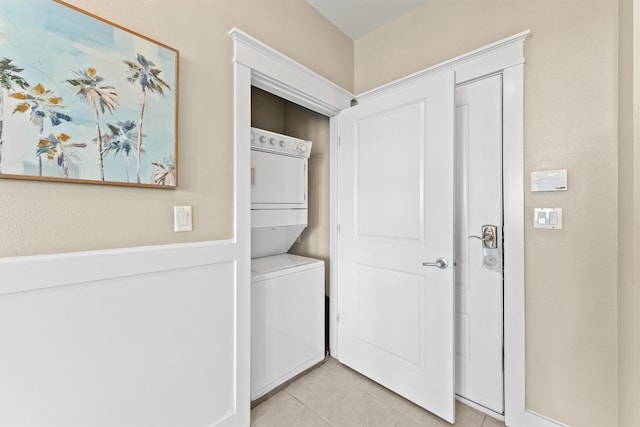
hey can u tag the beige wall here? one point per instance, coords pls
(633, 402)
(42, 218)
(267, 111)
(628, 249)
(570, 123)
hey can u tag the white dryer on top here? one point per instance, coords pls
(278, 191)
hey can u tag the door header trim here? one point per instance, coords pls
(278, 74)
(489, 59)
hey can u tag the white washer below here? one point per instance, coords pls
(287, 319)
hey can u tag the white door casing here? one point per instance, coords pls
(396, 212)
(274, 72)
(479, 299)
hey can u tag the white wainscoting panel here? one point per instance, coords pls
(132, 337)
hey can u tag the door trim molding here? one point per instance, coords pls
(276, 73)
(516, 413)
(242, 233)
(262, 66)
(473, 65)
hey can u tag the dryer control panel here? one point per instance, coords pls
(265, 140)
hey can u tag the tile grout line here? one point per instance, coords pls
(402, 413)
(350, 389)
(311, 409)
(352, 386)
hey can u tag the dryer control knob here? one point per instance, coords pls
(272, 141)
(263, 139)
(253, 136)
(302, 148)
(282, 143)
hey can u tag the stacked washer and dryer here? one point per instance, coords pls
(287, 303)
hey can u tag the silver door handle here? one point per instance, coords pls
(489, 236)
(484, 239)
(441, 263)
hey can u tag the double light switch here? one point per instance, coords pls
(547, 218)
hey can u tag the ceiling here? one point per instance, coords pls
(357, 18)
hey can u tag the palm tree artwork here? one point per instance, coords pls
(90, 86)
(165, 172)
(41, 103)
(142, 71)
(9, 80)
(120, 92)
(122, 139)
(59, 150)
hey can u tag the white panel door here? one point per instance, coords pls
(479, 293)
(395, 213)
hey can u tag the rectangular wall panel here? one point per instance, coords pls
(120, 348)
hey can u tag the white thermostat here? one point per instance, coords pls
(555, 180)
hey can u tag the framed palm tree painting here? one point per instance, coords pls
(84, 100)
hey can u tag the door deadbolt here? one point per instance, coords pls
(489, 236)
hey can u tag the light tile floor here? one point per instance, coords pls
(334, 395)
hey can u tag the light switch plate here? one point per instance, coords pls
(547, 218)
(182, 218)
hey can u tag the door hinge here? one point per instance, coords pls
(338, 317)
(339, 141)
(338, 228)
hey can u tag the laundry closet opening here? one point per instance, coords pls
(290, 317)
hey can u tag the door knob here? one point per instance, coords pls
(440, 263)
